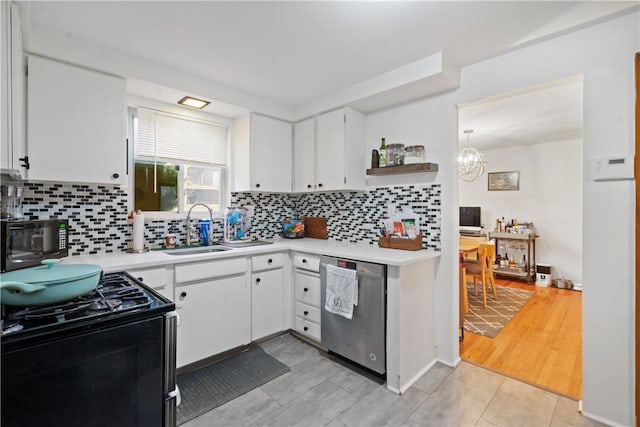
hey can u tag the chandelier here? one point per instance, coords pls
(471, 162)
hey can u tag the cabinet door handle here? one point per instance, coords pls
(305, 329)
(306, 289)
(141, 279)
(309, 186)
(320, 184)
(183, 294)
(258, 280)
(115, 176)
(304, 260)
(269, 261)
(257, 185)
(25, 162)
(306, 313)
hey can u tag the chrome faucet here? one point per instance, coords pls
(188, 238)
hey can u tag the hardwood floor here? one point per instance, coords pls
(541, 345)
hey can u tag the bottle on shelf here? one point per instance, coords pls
(523, 265)
(375, 159)
(383, 154)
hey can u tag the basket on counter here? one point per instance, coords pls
(395, 242)
(292, 229)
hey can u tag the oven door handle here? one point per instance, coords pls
(170, 410)
(171, 322)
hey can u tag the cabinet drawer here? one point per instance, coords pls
(308, 289)
(308, 328)
(307, 312)
(264, 262)
(158, 278)
(307, 262)
(210, 269)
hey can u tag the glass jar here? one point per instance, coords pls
(414, 154)
(395, 154)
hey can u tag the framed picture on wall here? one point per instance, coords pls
(504, 181)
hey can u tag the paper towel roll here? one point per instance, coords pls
(138, 231)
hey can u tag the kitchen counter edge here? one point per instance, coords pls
(111, 262)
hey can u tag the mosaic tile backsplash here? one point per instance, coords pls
(98, 223)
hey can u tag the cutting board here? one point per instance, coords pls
(315, 227)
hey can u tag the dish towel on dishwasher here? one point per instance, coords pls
(342, 291)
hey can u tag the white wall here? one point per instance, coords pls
(550, 196)
(604, 56)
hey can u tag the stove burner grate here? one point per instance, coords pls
(115, 293)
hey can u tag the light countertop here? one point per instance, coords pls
(126, 261)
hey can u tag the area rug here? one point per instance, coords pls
(490, 320)
(209, 387)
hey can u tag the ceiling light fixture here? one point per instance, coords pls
(192, 102)
(471, 162)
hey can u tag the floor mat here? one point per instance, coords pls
(206, 388)
(490, 320)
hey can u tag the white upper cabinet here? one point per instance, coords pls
(330, 149)
(262, 154)
(11, 89)
(76, 124)
(305, 162)
(340, 157)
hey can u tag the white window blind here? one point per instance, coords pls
(167, 137)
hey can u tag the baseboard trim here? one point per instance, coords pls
(416, 377)
(450, 364)
(601, 419)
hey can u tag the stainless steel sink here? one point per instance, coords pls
(245, 243)
(196, 250)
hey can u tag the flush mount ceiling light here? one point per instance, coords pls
(193, 102)
(471, 162)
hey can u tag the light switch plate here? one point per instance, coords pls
(611, 168)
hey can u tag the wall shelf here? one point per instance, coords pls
(413, 168)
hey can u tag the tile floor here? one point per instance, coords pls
(319, 392)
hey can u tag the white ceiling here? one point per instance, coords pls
(549, 113)
(292, 53)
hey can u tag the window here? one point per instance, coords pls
(179, 161)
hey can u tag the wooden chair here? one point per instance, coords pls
(482, 270)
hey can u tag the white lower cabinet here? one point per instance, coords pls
(308, 288)
(307, 295)
(307, 312)
(308, 328)
(214, 312)
(267, 295)
(214, 317)
(267, 303)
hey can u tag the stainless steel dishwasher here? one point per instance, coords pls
(361, 339)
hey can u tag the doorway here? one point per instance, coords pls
(536, 132)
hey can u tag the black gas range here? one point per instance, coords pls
(103, 359)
